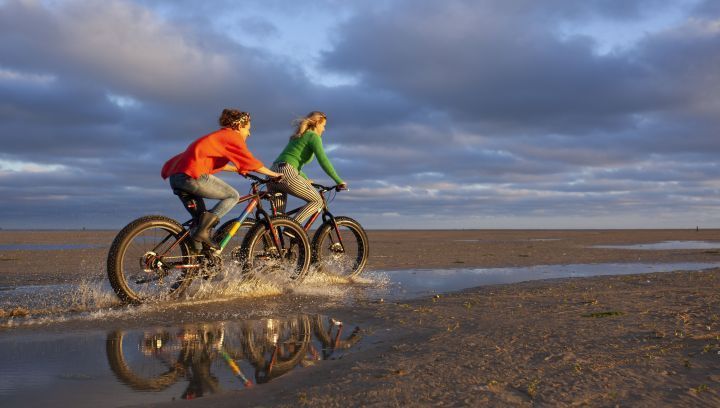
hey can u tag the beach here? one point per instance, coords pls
(646, 339)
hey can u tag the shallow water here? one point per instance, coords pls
(170, 361)
(88, 301)
(158, 364)
(418, 282)
(666, 245)
(47, 247)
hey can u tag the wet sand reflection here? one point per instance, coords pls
(163, 364)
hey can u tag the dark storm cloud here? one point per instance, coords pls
(482, 108)
(490, 62)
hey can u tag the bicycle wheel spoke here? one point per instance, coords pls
(147, 261)
(282, 253)
(341, 251)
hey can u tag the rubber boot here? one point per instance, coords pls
(206, 222)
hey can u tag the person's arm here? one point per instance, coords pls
(237, 152)
(264, 170)
(246, 161)
(322, 158)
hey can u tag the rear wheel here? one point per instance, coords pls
(345, 255)
(149, 260)
(263, 259)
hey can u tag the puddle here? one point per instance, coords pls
(666, 245)
(161, 364)
(166, 363)
(89, 301)
(419, 282)
(47, 247)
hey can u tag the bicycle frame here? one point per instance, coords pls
(254, 204)
(326, 214)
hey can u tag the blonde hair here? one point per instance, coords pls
(309, 122)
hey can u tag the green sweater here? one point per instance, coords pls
(300, 152)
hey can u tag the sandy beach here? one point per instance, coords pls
(632, 340)
(427, 249)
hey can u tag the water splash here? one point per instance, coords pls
(95, 299)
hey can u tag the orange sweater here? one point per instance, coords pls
(210, 153)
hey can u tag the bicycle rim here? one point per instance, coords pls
(264, 259)
(343, 256)
(153, 265)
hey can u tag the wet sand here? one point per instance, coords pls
(429, 249)
(635, 340)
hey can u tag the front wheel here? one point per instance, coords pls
(281, 252)
(343, 251)
(149, 260)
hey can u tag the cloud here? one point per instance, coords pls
(497, 65)
(493, 110)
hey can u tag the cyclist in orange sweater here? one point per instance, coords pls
(192, 170)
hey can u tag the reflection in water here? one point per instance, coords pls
(162, 364)
(255, 352)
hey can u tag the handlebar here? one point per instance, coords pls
(320, 187)
(258, 179)
(324, 189)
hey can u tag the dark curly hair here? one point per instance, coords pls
(233, 119)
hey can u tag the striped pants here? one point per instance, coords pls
(296, 185)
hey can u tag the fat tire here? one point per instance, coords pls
(360, 235)
(256, 233)
(119, 246)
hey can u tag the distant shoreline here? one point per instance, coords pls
(400, 229)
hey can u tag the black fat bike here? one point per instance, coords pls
(340, 245)
(154, 258)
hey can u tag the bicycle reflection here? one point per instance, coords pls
(250, 352)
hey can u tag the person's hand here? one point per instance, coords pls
(342, 186)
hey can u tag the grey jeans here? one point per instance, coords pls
(298, 186)
(208, 186)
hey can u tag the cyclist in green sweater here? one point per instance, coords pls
(304, 144)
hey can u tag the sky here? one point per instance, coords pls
(441, 114)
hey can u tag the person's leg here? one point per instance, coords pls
(294, 184)
(215, 188)
(278, 200)
(208, 186)
(188, 185)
